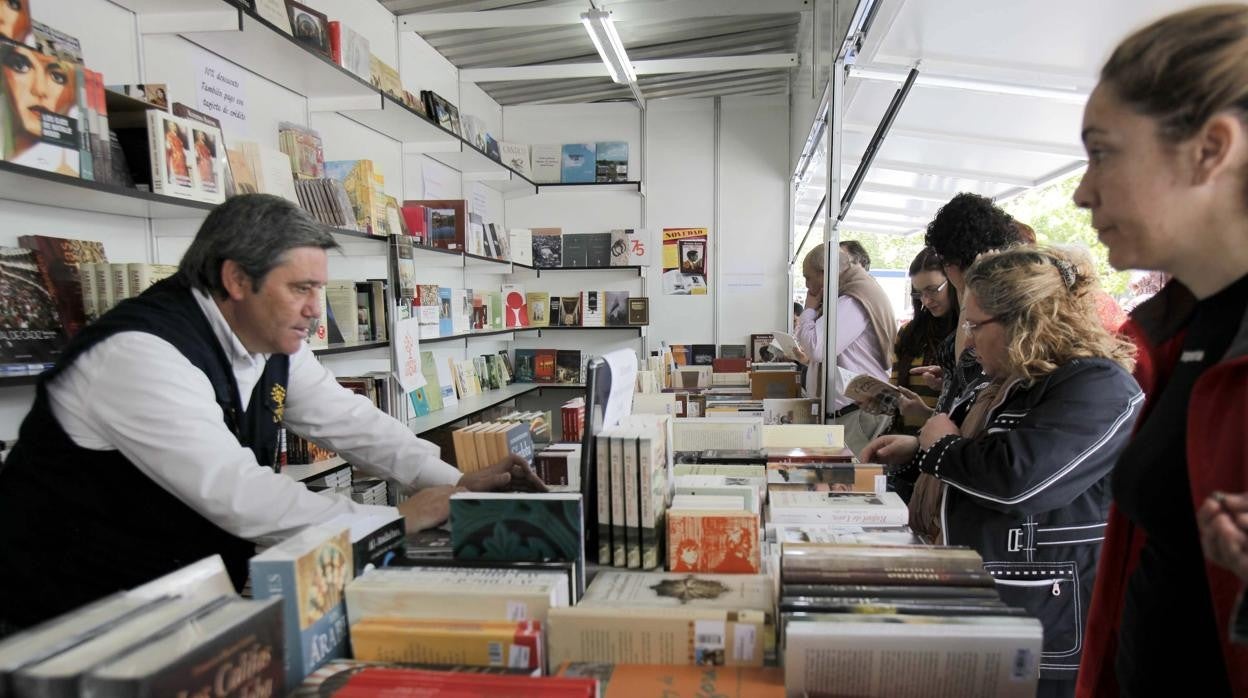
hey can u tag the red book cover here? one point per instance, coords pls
(416, 217)
(544, 366)
(712, 541)
(58, 260)
(730, 365)
(335, 41)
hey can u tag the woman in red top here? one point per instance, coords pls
(1166, 131)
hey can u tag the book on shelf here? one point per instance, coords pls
(309, 571)
(360, 179)
(538, 308)
(525, 362)
(350, 49)
(274, 12)
(441, 111)
(568, 366)
(617, 308)
(210, 144)
(171, 157)
(544, 365)
(638, 311)
(384, 77)
(547, 247)
(575, 250)
(521, 245)
(446, 221)
(593, 304)
(516, 156)
(491, 148)
(515, 306)
(577, 163)
(598, 249)
(547, 163)
(611, 158)
(304, 148)
(50, 136)
(32, 330)
(58, 264)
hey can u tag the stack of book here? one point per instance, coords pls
(631, 469)
(559, 466)
(853, 606)
(573, 415)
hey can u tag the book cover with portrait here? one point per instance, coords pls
(310, 571)
(40, 110)
(172, 156)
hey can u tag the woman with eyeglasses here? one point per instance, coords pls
(1166, 131)
(919, 342)
(1024, 462)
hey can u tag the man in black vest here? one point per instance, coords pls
(151, 443)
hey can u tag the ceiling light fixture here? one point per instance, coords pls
(602, 32)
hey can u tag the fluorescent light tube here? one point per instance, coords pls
(607, 42)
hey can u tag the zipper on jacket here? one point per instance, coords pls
(1057, 583)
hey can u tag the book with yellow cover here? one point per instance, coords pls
(515, 644)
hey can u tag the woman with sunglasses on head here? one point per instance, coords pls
(1024, 461)
(1166, 131)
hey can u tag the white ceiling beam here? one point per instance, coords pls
(625, 12)
(1014, 73)
(849, 227)
(708, 64)
(1068, 94)
(1017, 144)
(909, 192)
(918, 216)
(941, 171)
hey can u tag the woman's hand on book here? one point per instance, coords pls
(912, 406)
(428, 507)
(511, 474)
(892, 449)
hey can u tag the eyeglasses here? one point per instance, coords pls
(970, 327)
(930, 291)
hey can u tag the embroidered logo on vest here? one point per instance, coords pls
(278, 393)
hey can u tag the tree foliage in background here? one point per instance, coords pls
(1050, 210)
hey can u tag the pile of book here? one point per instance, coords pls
(631, 465)
(573, 416)
(559, 465)
(847, 609)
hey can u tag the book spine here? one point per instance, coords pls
(632, 501)
(603, 465)
(619, 522)
(156, 151)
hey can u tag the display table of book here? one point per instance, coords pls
(757, 572)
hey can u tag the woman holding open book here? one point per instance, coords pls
(1024, 462)
(1166, 131)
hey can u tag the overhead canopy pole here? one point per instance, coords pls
(877, 140)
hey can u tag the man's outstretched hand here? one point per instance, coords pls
(428, 508)
(509, 474)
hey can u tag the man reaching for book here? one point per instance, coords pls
(151, 443)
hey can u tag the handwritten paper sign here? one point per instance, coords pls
(221, 91)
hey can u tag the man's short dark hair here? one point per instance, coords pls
(968, 226)
(858, 253)
(254, 230)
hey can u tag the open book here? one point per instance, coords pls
(784, 345)
(873, 395)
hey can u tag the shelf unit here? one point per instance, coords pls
(630, 186)
(466, 336)
(638, 270)
(349, 347)
(32, 186)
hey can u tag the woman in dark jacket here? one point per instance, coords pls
(1025, 462)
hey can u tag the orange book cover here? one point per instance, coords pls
(712, 541)
(630, 680)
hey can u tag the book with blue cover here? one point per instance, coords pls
(310, 571)
(445, 318)
(578, 164)
(611, 161)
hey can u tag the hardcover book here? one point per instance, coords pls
(539, 308)
(447, 219)
(525, 365)
(172, 158)
(617, 309)
(593, 306)
(612, 161)
(639, 311)
(36, 335)
(350, 49)
(544, 365)
(570, 307)
(516, 156)
(568, 366)
(547, 248)
(310, 571)
(598, 249)
(620, 255)
(519, 526)
(546, 161)
(515, 306)
(577, 163)
(58, 261)
(575, 250)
